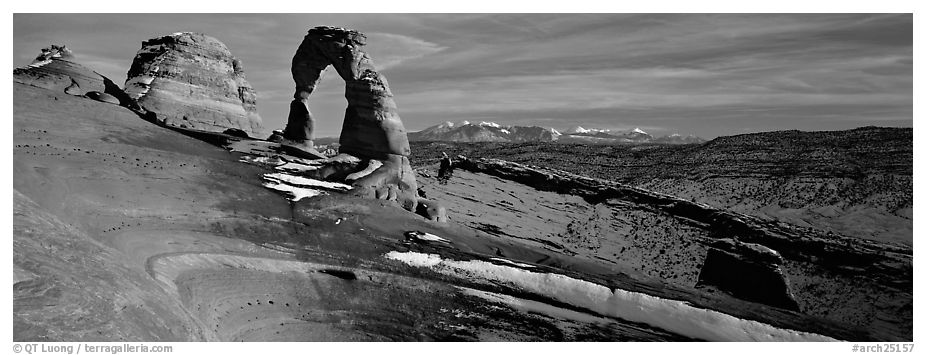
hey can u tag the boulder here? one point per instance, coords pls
(57, 68)
(747, 271)
(276, 136)
(193, 80)
(236, 132)
(431, 210)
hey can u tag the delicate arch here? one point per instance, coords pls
(372, 127)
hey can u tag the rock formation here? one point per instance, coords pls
(747, 271)
(57, 69)
(372, 129)
(820, 266)
(276, 136)
(432, 210)
(191, 80)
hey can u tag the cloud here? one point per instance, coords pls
(706, 74)
(390, 50)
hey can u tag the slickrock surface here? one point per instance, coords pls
(848, 280)
(127, 231)
(124, 230)
(69, 287)
(191, 80)
(372, 128)
(56, 68)
(856, 182)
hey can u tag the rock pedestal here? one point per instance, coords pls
(191, 80)
(394, 181)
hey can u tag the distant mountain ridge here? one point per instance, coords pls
(465, 131)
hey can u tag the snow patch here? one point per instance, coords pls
(304, 181)
(490, 124)
(275, 161)
(529, 306)
(415, 259)
(505, 131)
(638, 130)
(297, 193)
(581, 130)
(41, 63)
(509, 262)
(578, 129)
(296, 167)
(672, 315)
(426, 237)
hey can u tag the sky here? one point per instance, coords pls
(703, 74)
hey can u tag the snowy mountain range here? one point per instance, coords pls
(465, 131)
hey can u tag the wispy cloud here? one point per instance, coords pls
(392, 50)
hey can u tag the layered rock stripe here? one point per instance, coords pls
(191, 80)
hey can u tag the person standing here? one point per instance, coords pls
(446, 168)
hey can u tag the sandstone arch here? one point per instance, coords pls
(372, 127)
